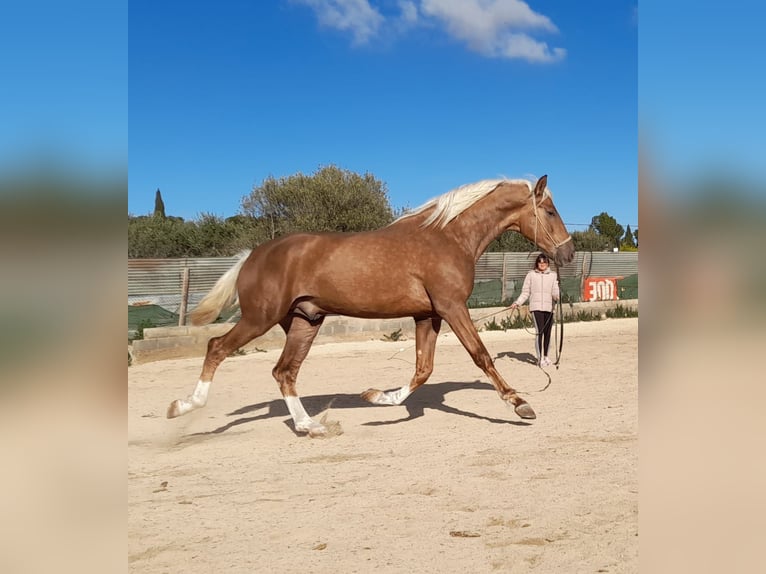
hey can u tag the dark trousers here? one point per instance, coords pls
(543, 323)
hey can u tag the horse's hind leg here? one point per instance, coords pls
(218, 348)
(426, 332)
(300, 333)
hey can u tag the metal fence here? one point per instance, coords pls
(499, 276)
(161, 290)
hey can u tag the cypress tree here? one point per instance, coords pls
(159, 205)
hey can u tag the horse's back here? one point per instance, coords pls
(345, 252)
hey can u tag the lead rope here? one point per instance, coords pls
(559, 323)
(524, 326)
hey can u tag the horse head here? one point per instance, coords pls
(543, 225)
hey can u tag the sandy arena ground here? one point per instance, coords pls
(450, 481)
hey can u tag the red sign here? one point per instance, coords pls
(600, 289)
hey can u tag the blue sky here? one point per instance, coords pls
(426, 95)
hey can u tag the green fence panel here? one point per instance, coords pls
(627, 288)
(486, 294)
(150, 316)
(571, 289)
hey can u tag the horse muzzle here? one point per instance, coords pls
(564, 253)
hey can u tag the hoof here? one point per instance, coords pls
(372, 396)
(174, 410)
(312, 428)
(525, 411)
(317, 431)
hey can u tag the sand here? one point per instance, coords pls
(450, 481)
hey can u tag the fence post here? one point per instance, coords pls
(184, 296)
(585, 273)
(503, 293)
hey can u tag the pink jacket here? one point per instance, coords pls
(541, 288)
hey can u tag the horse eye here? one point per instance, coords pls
(551, 213)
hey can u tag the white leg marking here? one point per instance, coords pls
(394, 397)
(196, 400)
(303, 422)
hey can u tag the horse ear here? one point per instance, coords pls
(540, 186)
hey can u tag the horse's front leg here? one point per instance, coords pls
(426, 332)
(460, 320)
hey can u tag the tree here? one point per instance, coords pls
(155, 237)
(608, 228)
(589, 240)
(511, 241)
(628, 241)
(213, 236)
(332, 199)
(159, 205)
(207, 236)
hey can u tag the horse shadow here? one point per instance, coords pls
(429, 396)
(521, 357)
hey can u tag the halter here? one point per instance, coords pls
(556, 244)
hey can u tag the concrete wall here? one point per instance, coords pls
(177, 342)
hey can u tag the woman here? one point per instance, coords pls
(541, 288)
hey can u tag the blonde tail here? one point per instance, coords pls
(222, 295)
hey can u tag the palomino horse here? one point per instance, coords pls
(421, 266)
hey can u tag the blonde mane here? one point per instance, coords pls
(448, 206)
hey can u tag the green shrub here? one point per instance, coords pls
(620, 312)
(515, 321)
(395, 336)
(512, 321)
(492, 326)
(143, 324)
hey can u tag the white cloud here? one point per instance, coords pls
(474, 17)
(494, 28)
(355, 16)
(409, 11)
(523, 47)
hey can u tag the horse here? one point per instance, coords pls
(421, 266)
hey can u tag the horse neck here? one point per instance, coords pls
(477, 226)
